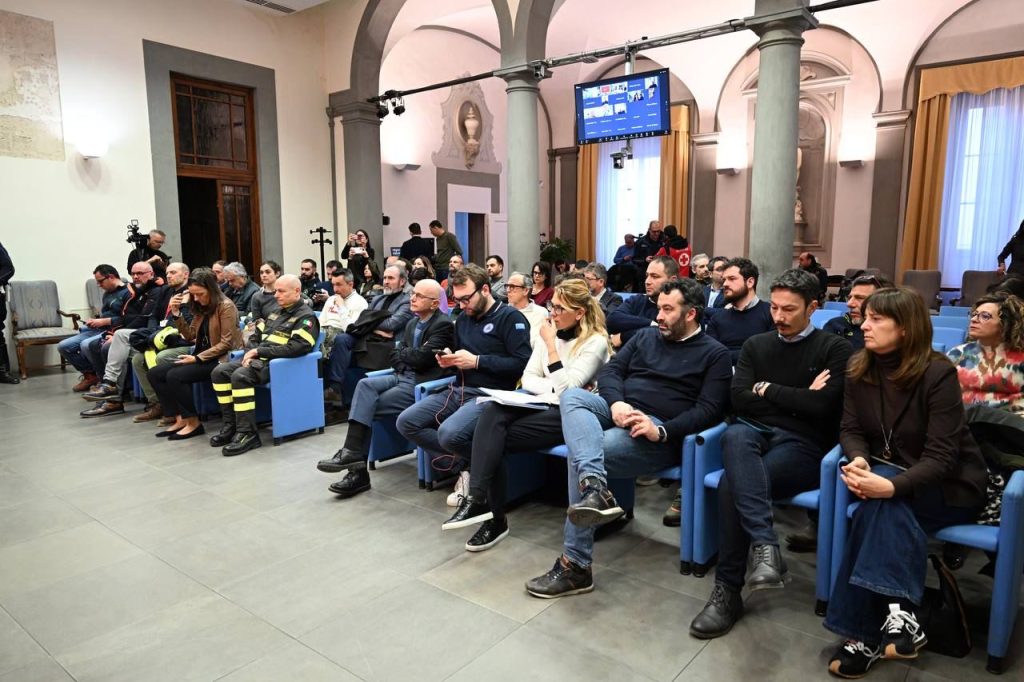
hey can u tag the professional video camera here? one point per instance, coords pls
(135, 237)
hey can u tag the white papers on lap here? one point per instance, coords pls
(513, 399)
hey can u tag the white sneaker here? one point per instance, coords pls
(461, 489)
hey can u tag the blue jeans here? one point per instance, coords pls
(95, 350)
(384, 396)
(599, 448)
(443, 423)
(886, 558)
(759, 468)
(71, 349)
(341, 359)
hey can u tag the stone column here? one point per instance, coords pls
(704, 167)
(780, 24)
(523, 173)
(363, 206)
(886, 188)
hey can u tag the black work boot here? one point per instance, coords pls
(597, 505)
(724, 608)
(564, 578)
(5, 365)
(355, 481)
(227, 428)
(769, 571)
(342, 459)
(243, 442)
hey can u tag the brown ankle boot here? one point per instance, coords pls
(88, 381)
(152, 411)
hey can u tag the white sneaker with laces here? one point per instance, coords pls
(461, 489)
(902, 635)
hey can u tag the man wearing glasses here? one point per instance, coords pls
(491, 349)
(415, 361)
(114, 296)
(518, 291)
(596, 276)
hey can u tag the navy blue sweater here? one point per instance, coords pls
(683, 383)
(502, 340)
(732, 327)
(636, 313)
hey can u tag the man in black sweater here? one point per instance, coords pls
(640, 312)
(744, 315)
(667, 382)
(787, 396)
(492, 347)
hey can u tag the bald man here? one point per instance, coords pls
(414, 359)
(290, 332)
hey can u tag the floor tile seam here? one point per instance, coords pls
(281, 648)
(28, 633)
(483, 606)
(484, 652)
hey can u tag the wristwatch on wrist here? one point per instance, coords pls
(662, 434)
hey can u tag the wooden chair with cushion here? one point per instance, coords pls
(36, 318)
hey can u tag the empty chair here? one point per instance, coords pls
(94, 295)
(925, 282)
(954, 310)
(953, 322)
(820, 317)
(836, 305)
(974, 284)
(36, 318)
(944, 338)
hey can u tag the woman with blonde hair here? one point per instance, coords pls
(572, 348)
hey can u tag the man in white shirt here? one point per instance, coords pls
(341, 309)
(518, 289)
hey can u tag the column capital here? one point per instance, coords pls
(783, 26)
(355, 112)
(705, 139)
(891, 119)
(523, 77)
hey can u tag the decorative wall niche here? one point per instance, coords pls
(467, 141)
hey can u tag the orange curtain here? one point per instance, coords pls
(586, 202)
(921, 232)
(675, 165)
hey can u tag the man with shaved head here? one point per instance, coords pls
(414, 359)
(290, 332)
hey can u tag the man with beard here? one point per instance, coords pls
(744, 314)
(647, 248)
(313, 289)
(848, 326)
(667, 382)
(495, 268)
(700, 269)
(596, 277)
(640, 312)
(713, 288)
(492, 347)
(810, 264)
(787, 395)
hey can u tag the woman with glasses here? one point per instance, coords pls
(263, 302)
(990, 366)
(573, 348)
(915, 468)
(214, 331)
(541, 292)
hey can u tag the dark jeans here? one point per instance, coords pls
(886, 558)
(341, 359)
(759, 468)
(173, 385)
(502, 429)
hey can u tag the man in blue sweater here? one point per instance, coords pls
(640, 312)
(492, 347)
(667, 382)
(115, 293)
(787, 396)
(744, 315)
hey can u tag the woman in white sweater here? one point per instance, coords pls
(572, 347)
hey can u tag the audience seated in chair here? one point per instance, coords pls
(787, 396)
(517, 288)
(213, 331)
(622, 276)
(713, 294)
(241, 289)
(596, 276)
(573, 347)
(848, 325)
(109, 391)
(640, 312)
(744, 314)
(263, 302)
(341, 309)
(492, 347)
(667, 382)
(290, 332)
(916, 468)
(414, 360)
(115, 294)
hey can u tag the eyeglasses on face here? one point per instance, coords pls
(464, 300)
(538, 273)
(558, 310)
(515, 286)
(418, 296)
(982, 315)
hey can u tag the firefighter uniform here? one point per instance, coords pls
(287, 333)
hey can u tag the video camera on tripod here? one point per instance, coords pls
(140, 241)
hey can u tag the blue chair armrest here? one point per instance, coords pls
(428, 387)
(380, 372)
(236, 355)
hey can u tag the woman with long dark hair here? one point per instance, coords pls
(214, 331)
(916, 469)
(370, 285)
(572, 348)
(358, 251)
(541, 292)
(1015, 250)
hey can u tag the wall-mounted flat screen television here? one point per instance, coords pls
(623, 107)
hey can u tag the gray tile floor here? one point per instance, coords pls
(124, 557)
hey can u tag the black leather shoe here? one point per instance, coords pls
(596, 506)
(563, 579)
(470, 511)
(243, 442)
(177, 435)
(355, 481)
(343, 459)
(769, 571)
(805, 541)
(724, 608)
(223, 437)
(7, 378)
(103, 409)
(491, 533)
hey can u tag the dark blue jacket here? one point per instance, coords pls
(634, 314)
(113, 304)
(502, 340)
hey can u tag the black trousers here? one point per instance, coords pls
(235, 387)
(5, 362)
(502, 429)
(173, 385)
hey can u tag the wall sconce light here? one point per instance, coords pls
(727, 171)
(93, 149)
(406, 166)
(851, 163)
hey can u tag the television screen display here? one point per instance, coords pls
(623, 107)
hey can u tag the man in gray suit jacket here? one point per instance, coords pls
(597, 277)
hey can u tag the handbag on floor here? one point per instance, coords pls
(942, 615)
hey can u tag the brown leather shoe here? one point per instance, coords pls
(152, 411)
(167, 421)
(88, 381)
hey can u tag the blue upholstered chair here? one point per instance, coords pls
(820, 317)
(386, 442)
(836, 305)
(944, 338)
(961, 322)
(36, 318)
(954, 311)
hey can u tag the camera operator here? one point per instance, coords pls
(149, 251)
